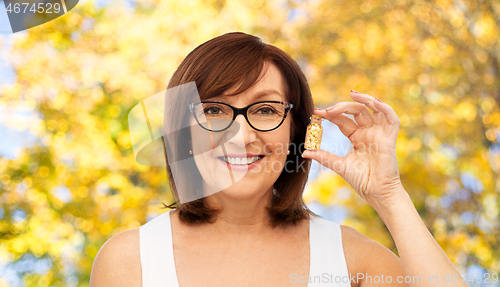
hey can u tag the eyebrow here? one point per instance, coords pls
(261, 94)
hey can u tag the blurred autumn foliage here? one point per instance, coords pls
(435, 62)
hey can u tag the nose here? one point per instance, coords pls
(241, 134)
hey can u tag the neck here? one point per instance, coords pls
(241, 217)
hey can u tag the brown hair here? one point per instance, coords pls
(236, 60)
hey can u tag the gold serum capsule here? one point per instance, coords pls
(314, 133)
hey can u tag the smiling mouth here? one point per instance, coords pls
(241, 160)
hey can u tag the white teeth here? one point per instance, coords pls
(241, 161)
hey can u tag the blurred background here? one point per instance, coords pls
(68, 177)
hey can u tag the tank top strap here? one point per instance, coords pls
(328, 265)
(157, 254)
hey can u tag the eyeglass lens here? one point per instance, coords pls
(262, 116)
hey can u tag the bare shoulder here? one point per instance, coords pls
(118, 262)
(365, 255)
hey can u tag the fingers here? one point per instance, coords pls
(388, 111)
(376, 105)
(360, 112)
(369, 101)
(383, 115)
(327, 159)
(382, 112)
(391, 117)
(346, 125)
(365, 99)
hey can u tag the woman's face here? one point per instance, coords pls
(224, 159)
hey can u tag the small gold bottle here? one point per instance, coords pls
(314, 133)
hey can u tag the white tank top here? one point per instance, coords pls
(327, 265)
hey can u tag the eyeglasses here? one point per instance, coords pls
(263, 116)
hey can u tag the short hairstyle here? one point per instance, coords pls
(236, 60)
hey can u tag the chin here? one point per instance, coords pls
(238, 192)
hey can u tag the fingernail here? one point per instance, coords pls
(378, 100)
(355, 91)
(330, 108)
(318, 109)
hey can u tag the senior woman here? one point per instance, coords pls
(255, 230)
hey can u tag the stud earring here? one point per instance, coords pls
(190, 152)
(288, 152)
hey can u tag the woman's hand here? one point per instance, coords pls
(371, 169)
(371, 166)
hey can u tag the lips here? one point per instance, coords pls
(241, 161)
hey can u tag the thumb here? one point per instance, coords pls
(327, 159)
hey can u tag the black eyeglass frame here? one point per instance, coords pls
(242, 111)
